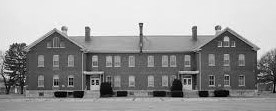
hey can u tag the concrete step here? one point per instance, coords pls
(91, 94)
(190, 93)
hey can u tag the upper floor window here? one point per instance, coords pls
(241, 80)
(49, 44)
(165, 62)
(56, 81)
(40, 62)
(211, 80)
(131, 81)
(187, 61)
(40, 81)
(150, 81)
(226, 60)
(55, 60)
(55, 42)
(165, 80)
(70, 81)
(62, 44)
(226, 80)
(108, 61)
(212, 61)
(219, 43)
(71, 61)
(172, 61)
(117, 81)
(241, 60)
(226, 41)
(94, 61)
(117, 61)
(233, 44)
(131, 61)
(150, 61)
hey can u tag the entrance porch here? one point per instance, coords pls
(189, 80)
(93, 80)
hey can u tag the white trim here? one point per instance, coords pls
(166, 77)
(93, 72)
(150, 77)
(243, 81)
(165, 59)
(213, 80)
(224, 80)
(57, 77)
(38, 85)
(129, 85)
(97, 60)
(188, 57)
(70, 76)
(129, 61)
(188, 72)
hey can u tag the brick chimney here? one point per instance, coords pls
(217, 29)
(141, 37)
(87, 33)
(194, 33)
(64, 29)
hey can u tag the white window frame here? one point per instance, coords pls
(219, 43)
(55, 59)
(40, 61)
(172, 61)
(211, 60)
(49, 44)
(150, 81)
(233, 44)
(117, 81)
(95, 59)
(241, 82)
(131, 81)
(117, 61)
(226, 41)
(131, 61)
(108, 61)
(165, 61)
(71, 60)
(40, 81)
(62, 44)
(187, 61)
(150, 61)
(56, 42)
(70, 76)
(55, 77)
(227, 81)
(165, 80)
(241, 60)
(209, 81)
(226, 57)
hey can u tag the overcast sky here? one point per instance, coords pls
(27, 20)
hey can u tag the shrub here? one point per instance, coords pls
(78, 94)
(121, 93)
(60, 94)
(221, 93)
(176, 85)
(203, 93)
(159, 93)
(177, 93)
(106, 89)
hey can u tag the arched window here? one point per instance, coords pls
(55, 42)
(226, 41)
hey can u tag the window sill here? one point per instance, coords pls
(95, 66)
(55, 86)
(241, 85)
(227, 86)
(40, 66)
(70, 86)
(150, 66)
(108, 66)
(131, 66)
(172, 66)
(212, 86)
(40, 86)
(117, 66)
(187, 66)
(165, 66)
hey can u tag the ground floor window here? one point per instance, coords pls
(117, 81)
(164, 80)
(108, 79)
(131, 80)
(40, 81)
(226, 80)
(241, 80)
(211, 80)
(56, 81)
(70, 81)
(150, 81)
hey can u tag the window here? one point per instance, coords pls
(117, 60)
(150, 81)
(117, 81)
(226, 60)
(71, 61)
(173, 77)
(56, 81)
(187, 61)
(131, 80)
(108, 79)
(173, 61)
(56, 61)
(165, 80)
(211, 80)
(219, 43)
(55, 42)
(108, 61)
(94, 61)
(40, 61)
(226, 41)
(131, 61)
(226, 80)
(233, 44)
(71, 81)
(241, 80)
(40, 81)
(49, 44)
(150, 61)
(165, 61)
(241, 60)
(62, 45)
(212, 61)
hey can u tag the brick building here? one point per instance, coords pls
(142, 63)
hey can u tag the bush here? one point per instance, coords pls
(121, 93)
(176, 85)
(60, 94)
(78, 94)
(177, 93)
(221, 93)
(159, 93)
(106, 89)
(203, 93)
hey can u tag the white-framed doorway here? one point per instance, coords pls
(95, 83)
(187, 82)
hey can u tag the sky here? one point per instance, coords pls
(27, 20)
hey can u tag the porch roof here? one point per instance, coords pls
(93, 72)
(188, 72)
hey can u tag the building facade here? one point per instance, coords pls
(142, 63)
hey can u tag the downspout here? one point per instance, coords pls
(199, 71)
(82, 70)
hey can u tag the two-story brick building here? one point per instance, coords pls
(142, 63)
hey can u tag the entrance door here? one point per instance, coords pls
(187, 82)
(95, 83)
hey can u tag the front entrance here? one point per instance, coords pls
(95, 83)
(187, 82)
